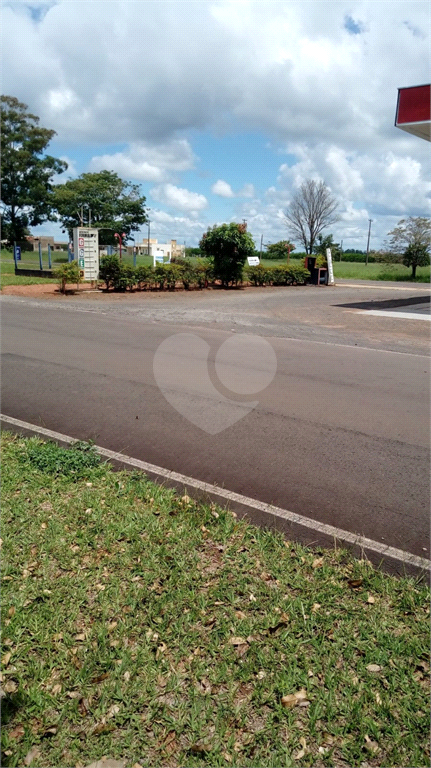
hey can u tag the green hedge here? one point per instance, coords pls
(287, 274)
(196, 273)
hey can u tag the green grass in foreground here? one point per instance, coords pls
(140, 625)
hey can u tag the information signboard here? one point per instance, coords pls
(86, 250)
(253, 261)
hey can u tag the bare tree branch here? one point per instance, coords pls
(312, 209)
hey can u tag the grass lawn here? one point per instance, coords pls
(30, 259)
(358, 271)
(142, 626)
(396, 272)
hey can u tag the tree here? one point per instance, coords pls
(312, 209)
(26, 171)
(279, 250)
(114, 205)
(327, 242)
(416, 255)
(412, 238)
(229, 245)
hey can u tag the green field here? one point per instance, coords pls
(143, 626)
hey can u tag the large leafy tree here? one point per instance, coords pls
(113, 204)
(228, 245)
(313, 208)
(412, 239)
(26, 198)
(279, 250)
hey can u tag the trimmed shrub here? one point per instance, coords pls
(126, 279)
(258, 275)
(204, 272)
(288, 274)
(144, 277)
(109, 270)
(68, 273)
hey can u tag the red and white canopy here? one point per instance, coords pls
(414, 110)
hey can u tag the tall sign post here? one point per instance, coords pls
(16, 253)
(40, 255)
(86, 251)
(331, 280)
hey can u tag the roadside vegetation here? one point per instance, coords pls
(140, 625)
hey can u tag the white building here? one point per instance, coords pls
(167, 249)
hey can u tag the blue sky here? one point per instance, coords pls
(219, 110)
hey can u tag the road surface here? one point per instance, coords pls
(341, 434)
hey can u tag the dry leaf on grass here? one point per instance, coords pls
(31, 755)
(371, 745)
(301, 752)
(10, 686)
(355, 583)
(17, 732)
(237, 641)
(107, 762)
(295, 699)
(373, 667)
(371, 599)
(6, 658)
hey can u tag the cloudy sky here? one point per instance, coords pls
(220, 109)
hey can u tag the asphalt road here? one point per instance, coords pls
(340, 434)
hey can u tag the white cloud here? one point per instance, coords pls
(148, 162)
(320, 81)
(178, 198)
(222, 188)
(247, 191)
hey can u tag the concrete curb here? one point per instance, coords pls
(292, 525)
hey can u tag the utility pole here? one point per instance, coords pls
(261, 245)
(341, 249)
(368, 242)
(89, 218)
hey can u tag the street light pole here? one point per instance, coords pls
(368, 242)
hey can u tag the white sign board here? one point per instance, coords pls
(158, 257)
(86, 251)
(253, 261)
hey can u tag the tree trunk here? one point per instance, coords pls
(414, 271)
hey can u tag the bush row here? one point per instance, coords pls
(288, 274)
(198, 273)
(123, 277)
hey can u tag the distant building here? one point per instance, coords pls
(169, 250)
(45, 240)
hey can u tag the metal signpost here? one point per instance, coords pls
(40, 255)
(86, 251)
